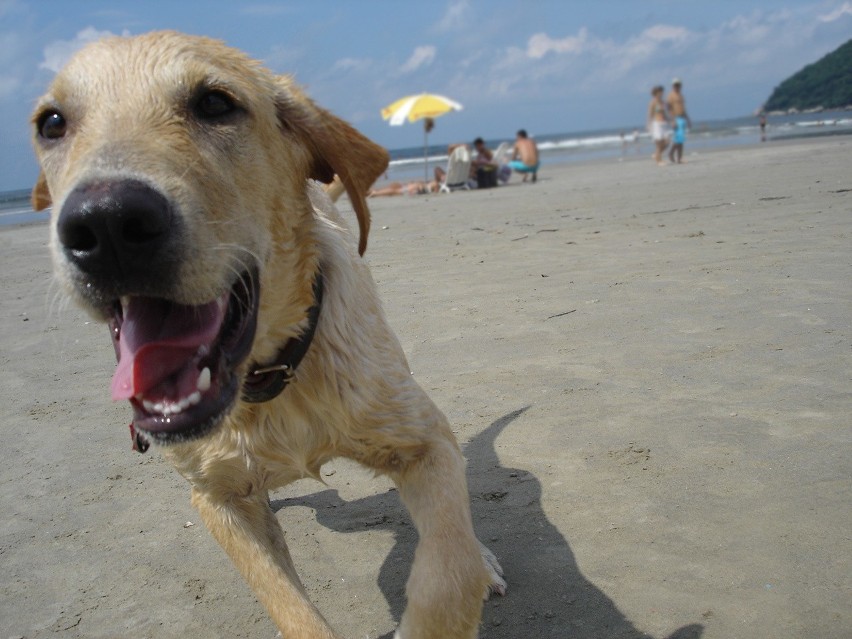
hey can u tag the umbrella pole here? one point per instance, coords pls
(425, 155)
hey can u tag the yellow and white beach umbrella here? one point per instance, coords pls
(417, 107)
(427, 107)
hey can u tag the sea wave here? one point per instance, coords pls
(827, 122)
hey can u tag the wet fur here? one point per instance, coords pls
(249, 196)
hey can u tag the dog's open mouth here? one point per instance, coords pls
(176, 362)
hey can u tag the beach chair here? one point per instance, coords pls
(501, 155)
(458, 170)
(501, 159)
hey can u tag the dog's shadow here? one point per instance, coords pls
(548, 595)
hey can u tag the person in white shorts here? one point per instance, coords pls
(658, 123)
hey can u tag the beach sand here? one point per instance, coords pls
(648, 368)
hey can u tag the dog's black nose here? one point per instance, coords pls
(121, 231)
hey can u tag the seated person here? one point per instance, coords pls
(483, 168)
(484, 156)
(525, 156)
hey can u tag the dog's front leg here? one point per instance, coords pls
(448, 578)
(249, 532)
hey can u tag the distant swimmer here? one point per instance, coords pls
(677, 112)
(525, 156)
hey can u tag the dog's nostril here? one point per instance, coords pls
(78, 237)
(140, 230)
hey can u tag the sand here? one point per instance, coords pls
(649, 369)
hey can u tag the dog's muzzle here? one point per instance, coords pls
(176, 362)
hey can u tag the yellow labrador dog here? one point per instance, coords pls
(251, 343)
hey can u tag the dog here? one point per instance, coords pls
(187, 215)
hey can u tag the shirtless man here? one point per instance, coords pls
(525, 157)
(676, 105)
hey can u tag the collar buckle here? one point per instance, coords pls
(283, 368)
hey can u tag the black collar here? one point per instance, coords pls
(263, 383)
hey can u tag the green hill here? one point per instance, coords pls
(826, 83)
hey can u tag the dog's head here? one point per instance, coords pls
(178, 170)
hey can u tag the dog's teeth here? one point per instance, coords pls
(167, 409)
(203, 383)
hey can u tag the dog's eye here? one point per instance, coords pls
(214, 105)
(52, 125)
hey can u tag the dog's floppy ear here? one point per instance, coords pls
(336, 148)
(40, 196)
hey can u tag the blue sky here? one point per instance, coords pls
(549, 66)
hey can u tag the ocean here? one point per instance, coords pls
(625, 142)
(560, 148)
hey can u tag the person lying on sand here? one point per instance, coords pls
(414, 187)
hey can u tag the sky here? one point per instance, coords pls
(549, 66)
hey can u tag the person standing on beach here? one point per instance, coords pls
(525, 156)
(658, 124)
(677, 112)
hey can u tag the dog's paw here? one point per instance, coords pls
(497, 585)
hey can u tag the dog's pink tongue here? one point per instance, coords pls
(158, 338)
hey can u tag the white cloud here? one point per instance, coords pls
(653, 40)
(540, 44)
(843, 10)
(57, 53)
(641, 46)
(422, 56)
(665, 33)
(455, 18)
(353, 64)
